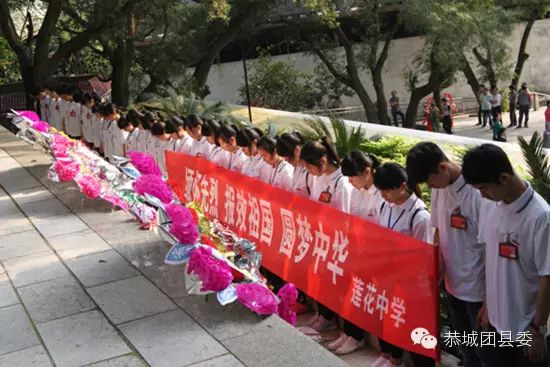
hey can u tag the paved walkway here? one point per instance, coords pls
(80, 285)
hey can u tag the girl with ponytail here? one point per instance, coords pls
(253, 165)
(289, 146)
(406, 213)
(227, 138)
(210, 131)
(330, 188)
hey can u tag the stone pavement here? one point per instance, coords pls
(81, 285)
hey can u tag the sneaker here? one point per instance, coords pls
(391, 364)
(518, 127)
(322, 325)
(349, 346)
(338, 342)
(380, 362)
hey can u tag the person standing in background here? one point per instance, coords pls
(479, 96)
(496, 100)
(486, 108)
(524, 101)
(512, 99)
(396, 108)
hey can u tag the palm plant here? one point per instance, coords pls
(539, 165)
(345, 139)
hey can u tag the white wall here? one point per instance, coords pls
(225, 79)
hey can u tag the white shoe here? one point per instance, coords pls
(338, 342)
(322, 325)
(380, 362)
(390, 364)
(349, 346)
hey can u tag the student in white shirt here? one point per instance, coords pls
(455, 209)
(175, 126)
(86, 116)
(366, 200)
(199, 146)
(125, 127)
(109, 116)
(406, 213)
(330, 188)
(515, 230)
(144, 133)
(44, 101)
(227, 138)
(281, 170)
(73, 123)
(96, 122)
(289, 146)
(162, 143)
(218, 156)
(254, 165)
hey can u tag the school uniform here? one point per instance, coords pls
(281, 176)
(109, 135)
(142, 138)
(333, 190)
(199, 148)
(132, 141)
(236, 161)
(119, 139)
(455, 214)
(104, 136)
(184, 145)
(73, 125)
(44, 108)
(517, 253)
(57, 115)
(150, 147)
(412, 219)
(220, 157)
(302, 181)
(365, 203)
(160, 147)
(86, 116)
(252, 166)
(97, 122)
(64, 109)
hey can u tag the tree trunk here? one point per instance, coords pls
(437, 96)
(412, 108)
(381, 103)
(123, 56)
(470, 76)
(522, 55)
(366, 101)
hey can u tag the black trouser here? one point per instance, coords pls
(395, 114)
(496, 111)
(324, 311)
(512, 356)
(479, 114)
(513, 117)
(397, 353)
(350, 329)
(447, 124)
(523, 111)
(463, 319)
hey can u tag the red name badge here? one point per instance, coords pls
(73, 114)
(459, 222)
(325, 197)
(508, 250)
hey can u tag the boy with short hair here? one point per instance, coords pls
(514, 226)
(454, 215)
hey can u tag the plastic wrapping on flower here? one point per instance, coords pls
(89, 186)
(66, 169)
(41, 126)
(214, 274)
(288, 295)
(115, 200)
(182, 226)
(155, 186)
(257, 298)
(145, 163)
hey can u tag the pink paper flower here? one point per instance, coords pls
(89, 186)
(31, 115)
(145, 163)
(60, 146)
(288, 295)
(66, 169)
(183, 226)
(115, 200)
(215, 274)
(155, 186)
(257, 297)
(41, 126)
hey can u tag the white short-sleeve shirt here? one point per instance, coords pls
(338, 188)
(410, 218)
(142, 140)
(281, 176)
(463, 255)
(97, 123)
(120, 140)
(366, 203)
(302, 181)
(200, 148)
(184, 145)
(132, 141)
(517, 254)
(72, 122)
(160, 147)
(57, 113)
(236, 161)
(252, 166)
(86, 116)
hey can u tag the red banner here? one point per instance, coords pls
(378, 279)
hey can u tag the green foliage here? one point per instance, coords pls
(345, 139)
(9, 68)
(279, 85)
(389, 148)
(538, 163)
